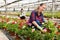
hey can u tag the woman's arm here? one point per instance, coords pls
(41, 29)
(37, 25)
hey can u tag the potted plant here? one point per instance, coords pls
(11, 27)
(51, 30)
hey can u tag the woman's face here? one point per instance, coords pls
(42, 8)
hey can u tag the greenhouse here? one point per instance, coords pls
(29, 19)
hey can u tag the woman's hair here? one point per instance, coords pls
(42, 4)
(39, 6)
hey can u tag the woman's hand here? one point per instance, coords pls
(44, 30)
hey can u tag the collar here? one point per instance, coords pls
(40, 14)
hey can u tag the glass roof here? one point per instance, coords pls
(2, 3)
(18, 5)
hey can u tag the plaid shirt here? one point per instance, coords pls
(34, 16)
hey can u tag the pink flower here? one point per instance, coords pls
(45, 30)
(33, 30)
(14, 22)
(19, 18)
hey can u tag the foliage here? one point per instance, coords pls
(51, 30)
(2, 24)
(50, 25)
(12, 27)
(49, 14)
(27, 32)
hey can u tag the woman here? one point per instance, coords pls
(36, 17)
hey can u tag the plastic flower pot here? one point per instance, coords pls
(17, 37)
(11, 33)
(4, 28)
(28, 38)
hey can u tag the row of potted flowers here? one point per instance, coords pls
(19, 28)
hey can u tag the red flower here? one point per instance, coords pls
(55, 23)
(2, 21)
(21, 24)
(58, 26)
(7, 19)
(57, 33)
(47, 18)
(48, 30)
